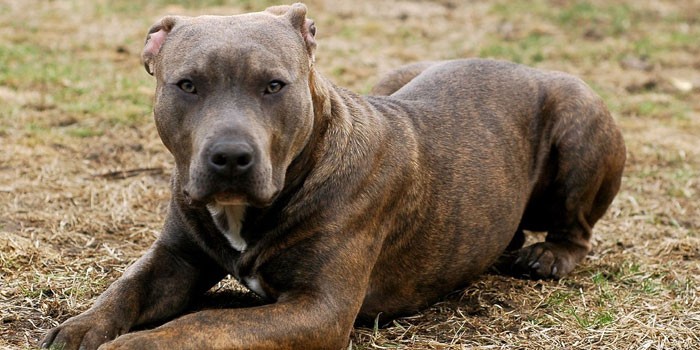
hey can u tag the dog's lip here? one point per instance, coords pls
(230, 199)
(236, 198)
(221, 198)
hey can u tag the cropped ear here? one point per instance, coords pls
(296, 14)
(154, 41)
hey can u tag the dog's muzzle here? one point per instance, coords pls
(228, 160)
(225, 172)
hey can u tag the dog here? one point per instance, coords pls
(336, 208)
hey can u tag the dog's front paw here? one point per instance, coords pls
(156, 339)
(544, 260)
(130, 341)
(84, 331)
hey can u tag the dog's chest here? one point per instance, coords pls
(229, 220)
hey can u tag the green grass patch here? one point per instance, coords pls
(673, 110)
(528, 50)
(644, 47)
(594, 319)
(508, 9)
(647, 108)
(349, 31)
(501, 51)
(683, 39)
(84, 132)
(558, 298)
(36, 128)
(609, 20)
(56, 79)
(650, 286)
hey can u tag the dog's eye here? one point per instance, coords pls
(187, 86)
(274, 87)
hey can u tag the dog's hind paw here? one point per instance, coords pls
(544, 260)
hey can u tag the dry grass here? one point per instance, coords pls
(83, 176)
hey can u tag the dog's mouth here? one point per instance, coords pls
(226, 198)
(229, 197)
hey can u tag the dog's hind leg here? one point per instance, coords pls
(585, 163)
(396, 79)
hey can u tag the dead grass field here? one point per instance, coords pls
(84, 177)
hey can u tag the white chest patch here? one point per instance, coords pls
(253, 284)
(229, 219)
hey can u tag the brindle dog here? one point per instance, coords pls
(335, 207)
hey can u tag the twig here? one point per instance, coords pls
(123, 174)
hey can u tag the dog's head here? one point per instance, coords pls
(233, 102)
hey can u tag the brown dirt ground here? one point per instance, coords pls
(84, 177)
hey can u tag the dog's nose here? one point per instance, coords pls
(229, 159)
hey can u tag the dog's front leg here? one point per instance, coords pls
(155, 288)
(321, 283)
(297, 323)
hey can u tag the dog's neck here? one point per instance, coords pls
(349, 127)
(229, 220)
(321, 92)
(347, 131)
